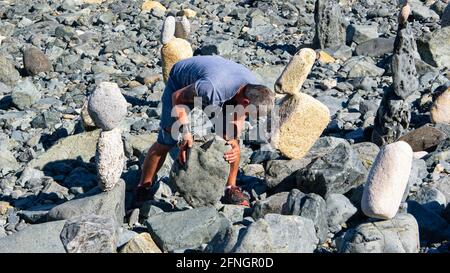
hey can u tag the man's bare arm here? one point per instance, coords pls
(181, 97)
(237, 124)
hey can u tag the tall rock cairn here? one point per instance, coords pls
(329, 24)
(175, 46)
(394, 113)
(108, 108)
(302, 118)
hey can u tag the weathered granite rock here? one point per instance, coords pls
(80, 146)
(375, 47)
(367, 152)
(424, 138)
(434, 50)
(107, 106)
(277, 233)
(276, 203)
(296, 72)
(430, 198)
(418, 173)
(440, 110)
(111, 203)
(25, 94)
(40, 238)
(110, 158)
(280, 173)
(8, 162)
(363, 67)
(361, 33)
(302, 121)
(8, 73)
(142, 243)
(90, 234)
(339, 210)
(329, 24)
(234, 213)
(185, 229)
(392, 119)
(398, 235)
(404, 72)
(203, 181)
(310, 206)
(35, 62)
(387, 181)
(432, 227)
(338, 171)
(226, 239)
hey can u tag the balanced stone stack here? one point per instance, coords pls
(175, 46)
(394, 113)
(302, 118)
(108, 108)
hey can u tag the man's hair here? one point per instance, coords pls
(260, 95)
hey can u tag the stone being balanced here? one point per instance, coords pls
(107, 108)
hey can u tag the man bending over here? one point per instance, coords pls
(218, 82)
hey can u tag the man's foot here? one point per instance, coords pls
(142, 194)
(235, 196)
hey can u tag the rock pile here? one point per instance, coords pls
(175, 46)
(301, 117)
(108, 107)
(394, 113)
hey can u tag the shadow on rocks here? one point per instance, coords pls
(48, 140)
(291, 49)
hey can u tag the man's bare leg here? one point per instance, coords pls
(154, 159)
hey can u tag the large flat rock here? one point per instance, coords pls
(42, 238)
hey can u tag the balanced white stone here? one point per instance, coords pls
(295, 73)
(387, 181)
(110, 158)
(107, 106)
(302, 121)
(168, 30)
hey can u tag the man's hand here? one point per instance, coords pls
(185, 144)
(234, 154)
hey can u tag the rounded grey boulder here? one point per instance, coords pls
(107, 106)
(35, 61)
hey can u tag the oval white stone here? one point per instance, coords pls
(387, 181)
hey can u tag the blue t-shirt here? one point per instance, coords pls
(216, 79)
